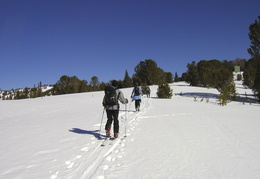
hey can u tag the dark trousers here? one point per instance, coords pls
(112, 115)
(137, 103)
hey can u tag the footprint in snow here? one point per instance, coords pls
(55, 175)
(69, 164)
(105, 167)
(78, 156)
(110, 158)
(120, 156)
(85, 149)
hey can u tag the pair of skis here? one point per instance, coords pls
(108, 139)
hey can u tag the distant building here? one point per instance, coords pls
(237, 69)
(238, 75)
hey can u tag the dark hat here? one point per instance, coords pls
(114, 83)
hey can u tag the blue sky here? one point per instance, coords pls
(41, 40)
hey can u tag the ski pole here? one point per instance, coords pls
(101, 122)
(130, 103)
(125, 118)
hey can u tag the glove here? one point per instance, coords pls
(126, 100)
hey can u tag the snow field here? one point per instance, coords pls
(57, 137)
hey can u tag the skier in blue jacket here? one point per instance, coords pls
(136, 96)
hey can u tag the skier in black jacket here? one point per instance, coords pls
(113, 110)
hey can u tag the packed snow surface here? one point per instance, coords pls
(188, 136)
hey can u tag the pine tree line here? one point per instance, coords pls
(146, 73)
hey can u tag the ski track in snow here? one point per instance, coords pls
(93, 160)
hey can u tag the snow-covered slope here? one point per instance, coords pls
(56, 137)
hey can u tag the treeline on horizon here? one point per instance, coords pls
(206, 73)
(147, 72)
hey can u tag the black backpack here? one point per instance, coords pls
(110, 96)
(137, 92)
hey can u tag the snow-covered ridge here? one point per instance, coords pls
(10, 94)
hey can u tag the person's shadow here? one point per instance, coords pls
(95, 133)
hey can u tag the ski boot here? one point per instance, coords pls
(108, 133)
(116, 135)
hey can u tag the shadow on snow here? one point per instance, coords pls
(250, 98)
(95, 133)
(199, 95)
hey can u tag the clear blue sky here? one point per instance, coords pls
(41, 40)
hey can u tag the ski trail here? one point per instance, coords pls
(91, 170)
(92, 159)
(94, 165)
(76, 163)
(108, 154)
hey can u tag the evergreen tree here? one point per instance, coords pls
(250, 73)
(120, 83)
(192, 74)
(256, 86)
(212, 73)
(10, 96)
(68, 85)
(17, 94)
(254, 36)
(94, 83)
(227, 93)
(33, 92)
(102, 86)
(176, 77)
(39, 90)
(136, 79)
(254, 51)
(127, 82)
(184, 76)
(4, 94)
(168, 77)
(204, 70)
(25, 93)
(164, 91)
(148, 72)
(224, 76)
(83, 86)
